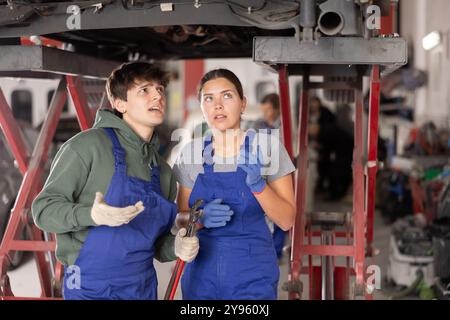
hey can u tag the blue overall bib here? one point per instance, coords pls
(237, 261)
(117, 262)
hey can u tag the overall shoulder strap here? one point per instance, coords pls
(208, 155)
(118, 150)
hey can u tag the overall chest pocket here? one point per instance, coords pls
(231, 197)
(149, 201)
(145, 227)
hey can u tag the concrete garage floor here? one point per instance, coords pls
(24, 280)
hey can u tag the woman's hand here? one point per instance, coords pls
(251, 163)
(215, 214)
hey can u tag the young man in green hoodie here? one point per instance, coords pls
(107, 244)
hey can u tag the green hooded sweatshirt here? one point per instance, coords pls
(85, 165)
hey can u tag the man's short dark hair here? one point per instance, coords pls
(273, 99)
(317, 99)
(124, 77)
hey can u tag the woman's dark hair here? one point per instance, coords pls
(125, 76)
(221, 73)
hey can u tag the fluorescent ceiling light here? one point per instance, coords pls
(431, 40)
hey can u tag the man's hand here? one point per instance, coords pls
(104, 214)
(186, 248)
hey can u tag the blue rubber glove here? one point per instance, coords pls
(252, 165)
(215, 214)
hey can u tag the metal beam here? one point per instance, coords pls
(331, 50)
(29, 74)
(114, 15)
(46, 59)
(26, 245)
(328, 70)
(329, 250)
(333, 85)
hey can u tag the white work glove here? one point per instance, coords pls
(186, 248)
(181, 221)
(104, 214)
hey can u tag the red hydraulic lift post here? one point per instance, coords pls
(286, 123)
(30, 185)
(372, 147)
(388, 26)
(358, 195)
(389, 22)
(298, 231)
(356, 240)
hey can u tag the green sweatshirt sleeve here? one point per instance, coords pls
(56, 209)
(164, 248)
(165, 245)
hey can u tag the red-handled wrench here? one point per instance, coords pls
(194, 214)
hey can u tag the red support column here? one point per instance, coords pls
(79, 99)
(389, 22)
(298, 231)
(13, 135)
(341, 283)
(314, 272)
(372, 161)
(285, 103)
(358, 192)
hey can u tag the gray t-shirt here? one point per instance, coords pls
(275, 160)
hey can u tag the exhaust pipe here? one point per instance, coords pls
(308, 18)
(331, 23)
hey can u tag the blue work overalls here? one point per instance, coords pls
(117, 262)
(237, 261)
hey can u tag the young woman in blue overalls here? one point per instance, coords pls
(237, 259)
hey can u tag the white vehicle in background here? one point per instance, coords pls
(29, 99)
